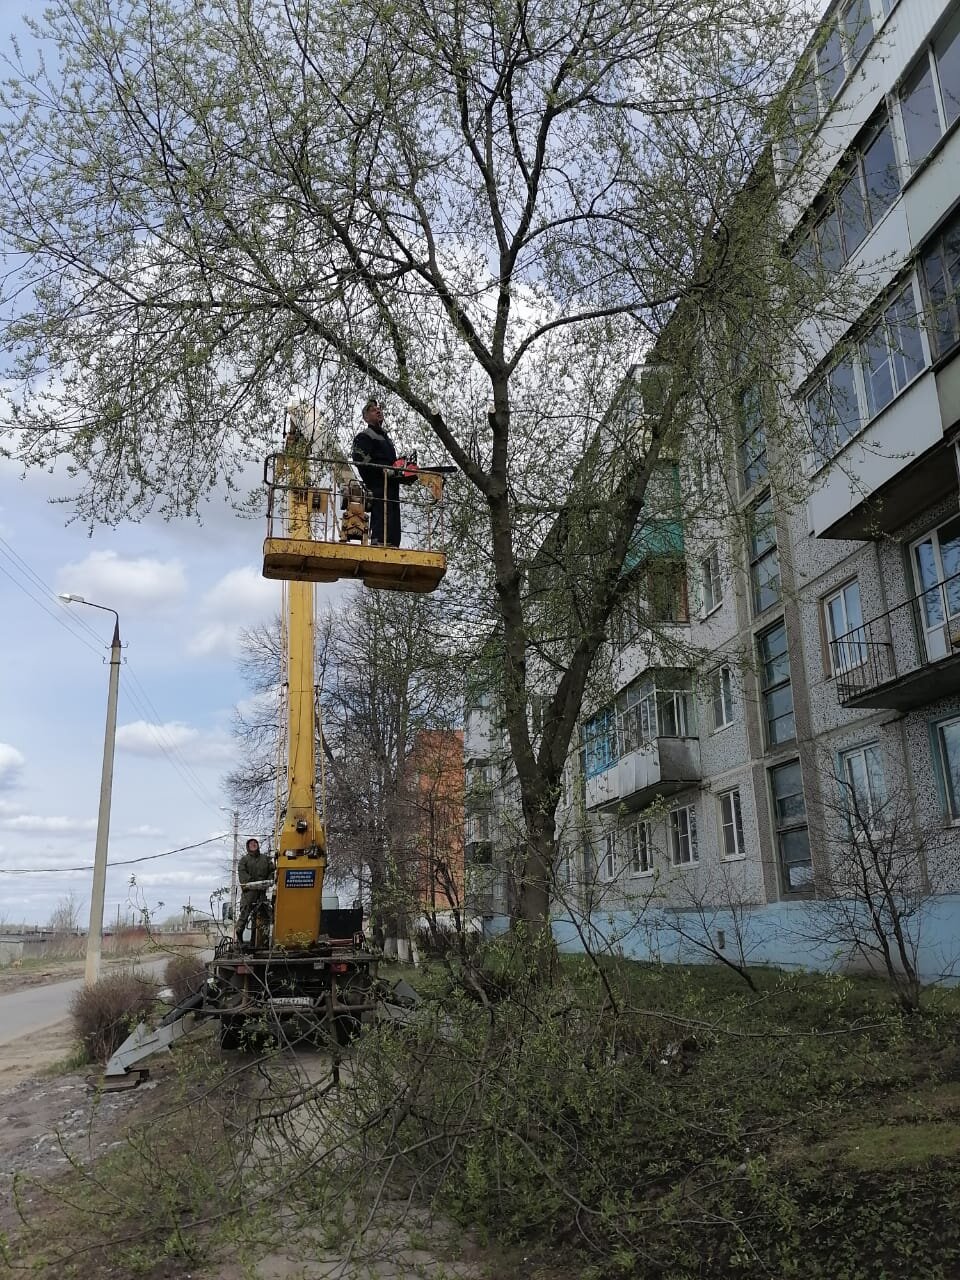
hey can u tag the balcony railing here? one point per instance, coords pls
(905, 657)
(661, 766)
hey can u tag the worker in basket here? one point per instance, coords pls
(253, 869)
(383, 473)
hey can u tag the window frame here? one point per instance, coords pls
(711, 583)
(607, 862)
(949, 793)
(929, 57)
(832, 666)
(725, 696)
(735, 826)
(786, 683)
(873, 820)
(789, 826)
(771, 551)
(640, 865)
(679, 835)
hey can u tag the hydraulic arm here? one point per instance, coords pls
(302, 842)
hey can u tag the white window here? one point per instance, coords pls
(846, 637)
(478, 828)
(930, 95)
(948, 748)
(863, 788)
(639, 845)
(731, 825)
(608, 859)
(683, 836)
(721, 696)
(892, 353)
(711, 584)
(833, 408)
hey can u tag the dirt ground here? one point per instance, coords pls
(31, 1055)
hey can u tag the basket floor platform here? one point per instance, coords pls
(385, 568)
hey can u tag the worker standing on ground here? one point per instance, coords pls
(253, 868)
(375, 455)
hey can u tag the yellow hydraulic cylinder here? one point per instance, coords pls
(302, 841)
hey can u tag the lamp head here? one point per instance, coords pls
(71, 599)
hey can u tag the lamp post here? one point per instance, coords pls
(95, 931)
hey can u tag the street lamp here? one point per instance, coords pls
(95, 931)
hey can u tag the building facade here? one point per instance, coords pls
(796, 725)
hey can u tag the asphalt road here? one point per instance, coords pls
(35, 1008)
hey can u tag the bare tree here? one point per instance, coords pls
(874, 886)
(490, 212)
(384, 676)
(64, 925)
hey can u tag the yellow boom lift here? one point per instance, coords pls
(307, 968)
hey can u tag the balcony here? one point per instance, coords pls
(659, 767)
(906, 657)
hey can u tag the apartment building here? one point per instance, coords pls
(811, 662)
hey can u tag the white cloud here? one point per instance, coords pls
(141, 738)
(143, 830)
(37, 823)
(242, 598)
(142, 584)
(11, 762)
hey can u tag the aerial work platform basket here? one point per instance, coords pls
(318, 526)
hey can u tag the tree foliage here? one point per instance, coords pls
(490, 211)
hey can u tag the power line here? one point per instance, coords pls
(57, 618)
(175, 754)
(125, 862)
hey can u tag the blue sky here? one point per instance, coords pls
(183, 591)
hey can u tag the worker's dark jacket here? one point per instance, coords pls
(373, 448)
(255, 866)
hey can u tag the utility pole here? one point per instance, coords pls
(236, 855)
(95, 931)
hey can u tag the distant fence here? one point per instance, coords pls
(37, 944)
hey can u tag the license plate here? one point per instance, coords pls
(292, 1002)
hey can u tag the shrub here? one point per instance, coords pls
(103, 1015)
(184, 975)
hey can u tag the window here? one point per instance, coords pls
(704, 475)
(599, 751)
(846, 638)
(892, 353)
(918, 107)
(868, 183)
(834, 410)
(711, 584)
(775, 685)
(608, 859)
(861, 777)
(652, 707)
(731, 824)
(828, 241)
(753, 437)
(666, 590)
(478, 828)
(948, 749)
(790, 820)
(830, 64)
(721, 696)
(857, 26)
(683, 836)
(764, 557)
(878, 162)
(936, 568)
(930, 95)
(940, 267)
(639, 846)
